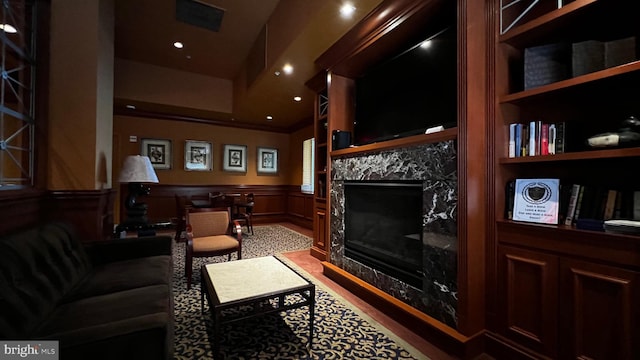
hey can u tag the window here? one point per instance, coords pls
(308, 151)
(17, 53)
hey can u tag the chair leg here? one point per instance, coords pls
(188, 270)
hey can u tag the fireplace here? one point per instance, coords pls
(383, 227)
(428, 168)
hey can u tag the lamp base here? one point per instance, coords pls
(136, 212)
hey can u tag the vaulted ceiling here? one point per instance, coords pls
(292, 31)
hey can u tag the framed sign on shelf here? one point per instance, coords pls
(235, 158)
(536, 200)
(198, 156)
(158, 151)
(267, 160)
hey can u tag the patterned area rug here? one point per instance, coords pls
(341, 331)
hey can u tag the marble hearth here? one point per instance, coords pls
(435, 165)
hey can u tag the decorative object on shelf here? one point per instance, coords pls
(340, 139)
(546, 64)
(158, 151)
(593, 55)
(536, 200)
(136, 171)
(198, 156)
(628, 135)
(267, 160)
(235, 158)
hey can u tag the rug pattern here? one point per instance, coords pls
(339, 332)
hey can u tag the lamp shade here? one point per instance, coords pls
(137, 168)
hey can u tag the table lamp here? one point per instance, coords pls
(136, 171)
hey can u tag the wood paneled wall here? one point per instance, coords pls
(91, 211)
(274, 203)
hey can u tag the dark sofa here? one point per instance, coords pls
(101, 300)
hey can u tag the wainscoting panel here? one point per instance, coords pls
(272, 203)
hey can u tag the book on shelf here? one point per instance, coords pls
(552, 139)
(518, 141)
(510, 190)
(576, 213)
(572, 204)
(512, 140)
(544, 139)
(535, 138)
(561, 128)
(636, 205)
(610, 204)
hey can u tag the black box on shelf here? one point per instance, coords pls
(619, 52)
(546, 64)
(587, 57)
(340, 140)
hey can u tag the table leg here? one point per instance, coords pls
(202, 285)
(215, 316)
(312, 307)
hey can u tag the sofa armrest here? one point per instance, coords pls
(106, 251)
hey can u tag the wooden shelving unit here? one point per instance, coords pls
(322, 163)
(559, 288)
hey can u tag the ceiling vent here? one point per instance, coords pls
(196, 13)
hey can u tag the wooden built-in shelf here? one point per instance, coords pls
(582, 155)
(551, 22)
(444, 135)
(568, 240)
(605, 74)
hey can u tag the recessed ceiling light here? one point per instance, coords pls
(297, 98)
(269, 117)
(347, 10)
(178, 45)
(132, 107)
(277, 73)
(287, 68)
(188, 57)
(8, 28)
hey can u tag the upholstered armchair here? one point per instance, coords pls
(210, 232)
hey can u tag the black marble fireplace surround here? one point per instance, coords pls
(435, 166)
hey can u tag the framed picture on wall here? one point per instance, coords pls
(198, 155)
(158, 151)
(235, 158)
(267, 160)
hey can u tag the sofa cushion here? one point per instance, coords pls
(124, 275)
(37, 267)
(121, 321)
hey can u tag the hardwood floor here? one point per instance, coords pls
(314, 267)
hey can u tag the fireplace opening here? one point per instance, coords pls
(383, 227)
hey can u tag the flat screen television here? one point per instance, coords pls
(409, 93)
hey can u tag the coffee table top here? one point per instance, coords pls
(246, 278)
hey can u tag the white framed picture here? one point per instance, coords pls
(267, 160)
(235, 158)
(198, 155)
(158, 151)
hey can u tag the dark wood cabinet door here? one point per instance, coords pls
(319, 248)
(599, 311)
(527, 298)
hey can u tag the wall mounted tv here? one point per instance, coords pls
(409, 93)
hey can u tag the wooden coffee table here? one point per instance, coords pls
(253, 287)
